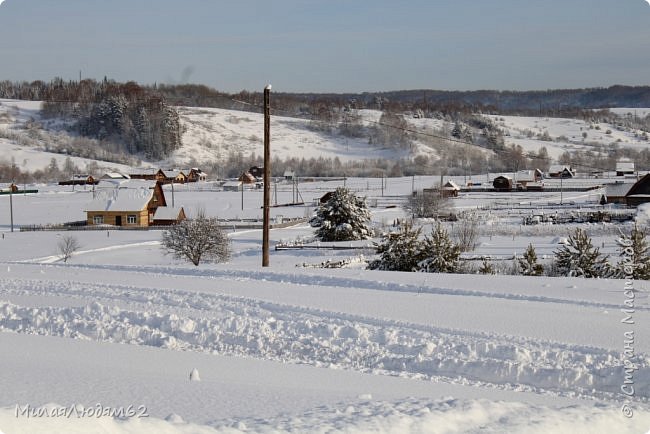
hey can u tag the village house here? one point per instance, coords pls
(639, 192)
(561, 171)
(80, 180)
(624, 167)
(130, 203)
(171, 176)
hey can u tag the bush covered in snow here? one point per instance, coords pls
(344, 217)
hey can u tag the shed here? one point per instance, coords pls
(167, 216)
(502, 183)
(450, 189)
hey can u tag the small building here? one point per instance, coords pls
(615, 193)
(195, 175)
(503, 183)
(115, 175)
(144, 173)
(289, 175)
(125, 203)
(247, 178)
(624, 167)
(167, 216)
(80, 180)
(561, 171)
(169, 176)
(524, 177)
(450, 189)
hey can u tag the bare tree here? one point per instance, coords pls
(465, 233)
(428, 204)
(67, 245)
(196, 239)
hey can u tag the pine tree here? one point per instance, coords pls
(457, 132)
(528, 263)
(440, 253)
(580, 258)
(400, 251)
(344, 217)
(634, 250)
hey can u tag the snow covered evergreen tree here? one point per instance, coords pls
(634, 251)
(400, 251)
(440, 253)
(580, 258)
(528, 263)
(344, 217)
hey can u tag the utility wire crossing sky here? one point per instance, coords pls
(331, 46)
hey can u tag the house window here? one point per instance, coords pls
(131, 219)
(98, 220)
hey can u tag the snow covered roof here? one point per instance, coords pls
(167, 213)
(173, 173)
(625, 166)
(115, 175)
(124, 195)
(618, 189)
(451, 185)
(557, 168)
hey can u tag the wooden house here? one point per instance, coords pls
(125, 203)
(615, 193)
(525, 177)
(450, 189)
(247, 178)
(639, 192)
(561, 171)
(80, 180)
(144, 173)
(196, 175)
(171, 176)
(115, 175)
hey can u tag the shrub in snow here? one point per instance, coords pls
(441, 254)
(194, 375)
(635, 260)
(344, 217)
(486, 267)
(197, 239)
(528, 263)
(580, 258)
(399, 251)
(427, 205)
(67, 245)
(465, 233)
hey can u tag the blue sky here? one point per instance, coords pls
(331, 45)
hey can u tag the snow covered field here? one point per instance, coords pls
(303, 349)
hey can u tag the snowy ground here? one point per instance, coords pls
(302, 349)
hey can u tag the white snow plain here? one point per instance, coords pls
(118, 329)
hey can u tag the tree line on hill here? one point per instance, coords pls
(137, 117)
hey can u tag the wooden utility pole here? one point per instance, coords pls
(267, 175)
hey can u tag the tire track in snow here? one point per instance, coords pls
(248, 327)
